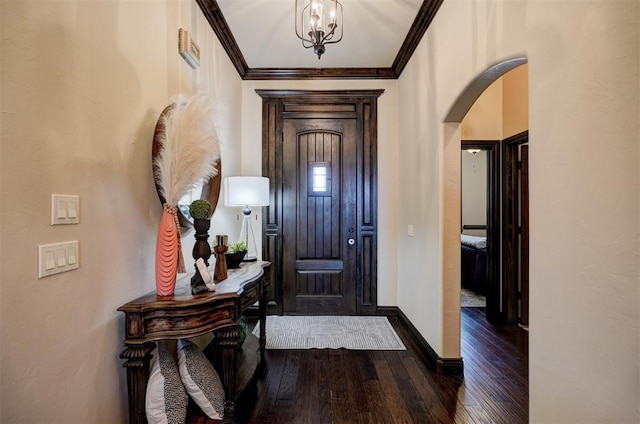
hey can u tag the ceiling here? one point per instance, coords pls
(379, 38)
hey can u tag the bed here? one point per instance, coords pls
(474, 263)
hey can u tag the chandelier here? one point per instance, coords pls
(317, 23)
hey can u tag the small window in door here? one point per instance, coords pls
(319, 179)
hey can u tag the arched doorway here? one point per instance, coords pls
(499, 293)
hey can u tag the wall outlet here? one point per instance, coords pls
(58, 257)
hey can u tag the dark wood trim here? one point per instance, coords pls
(387, 311)
(420, 24)
(272, 215)
(510, 257)
(493, 225)
(318, 95)
(524, 241)
(474, 227)
(218, 23)
(517, 139)
(444, 366)
(318, 73)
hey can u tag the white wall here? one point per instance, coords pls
(388, 188)
(82, 86)
(474, 190)
(584, 185)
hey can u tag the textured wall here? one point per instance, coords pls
(484, 119)
(584, 184)
(82, 86)
(515, 101)
(474, 191)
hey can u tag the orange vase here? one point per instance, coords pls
(167, 251)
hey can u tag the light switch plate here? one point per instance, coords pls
(410, 231)
(65, 209)
(58, 257)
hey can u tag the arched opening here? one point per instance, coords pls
(494, 199)
(455, 133)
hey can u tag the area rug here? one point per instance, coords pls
(470, 299)
(331, 332)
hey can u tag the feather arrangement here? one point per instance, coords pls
(187, 150)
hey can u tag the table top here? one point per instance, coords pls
(233, 286)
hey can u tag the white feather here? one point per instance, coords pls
(190, 148)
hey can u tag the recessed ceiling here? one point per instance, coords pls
(373, 33)
(379, 37)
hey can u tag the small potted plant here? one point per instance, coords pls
(235, 254)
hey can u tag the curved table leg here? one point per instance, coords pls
(227, 342)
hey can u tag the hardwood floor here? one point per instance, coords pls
(343, 386)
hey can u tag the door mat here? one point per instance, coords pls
(330, 332)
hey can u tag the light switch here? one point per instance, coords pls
(51, 262)
(65, 209)
(62, 209)
(71, 256)
(58, 257)
(62, 260)
(410, 232)
(72, 210)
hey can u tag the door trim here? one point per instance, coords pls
(359, 104)
(510, 269)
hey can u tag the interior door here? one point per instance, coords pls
(319, 216)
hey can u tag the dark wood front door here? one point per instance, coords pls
(319, 217)
(320, 228)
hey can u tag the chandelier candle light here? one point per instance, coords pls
(246, 192)
(317, 23)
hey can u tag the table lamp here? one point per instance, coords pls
(246, 192)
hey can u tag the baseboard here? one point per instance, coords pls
(445, 366)
(388, 311)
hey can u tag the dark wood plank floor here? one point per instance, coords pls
(343, 386)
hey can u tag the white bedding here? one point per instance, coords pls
(474, 241)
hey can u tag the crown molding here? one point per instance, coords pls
(420, 24)
(318, 73)
(218, 23)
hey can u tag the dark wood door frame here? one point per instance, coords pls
(361, 104)
(510, 225)
(524, 247)
(492, 147)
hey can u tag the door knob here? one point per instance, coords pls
(351, 242)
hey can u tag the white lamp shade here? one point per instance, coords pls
(246, 191)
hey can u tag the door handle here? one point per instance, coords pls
(351, 242)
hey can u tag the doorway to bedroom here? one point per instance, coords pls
(494, 201)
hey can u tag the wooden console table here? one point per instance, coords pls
(151, 317)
